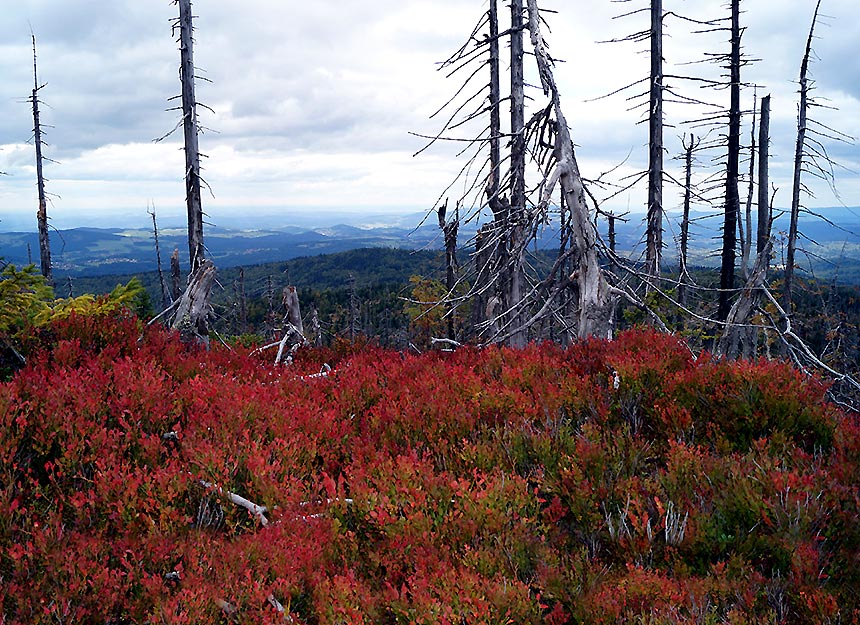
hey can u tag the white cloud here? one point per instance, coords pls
(314, 101)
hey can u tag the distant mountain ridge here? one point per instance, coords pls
(92, 251)
(107, 251)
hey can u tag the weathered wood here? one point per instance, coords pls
(42, 212)
(732, 203)
(293, 313)
(189, 125)
(736, 339)
(596, 303)
(450, 229)
(175, 275)
(745, 233)
(799, 149)
(685, 220)
(165, 294)
(193, 308)
(763, 161)
(515, 227)
(654, 230)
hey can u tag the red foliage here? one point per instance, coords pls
(613, 482)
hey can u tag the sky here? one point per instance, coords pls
(313, 103)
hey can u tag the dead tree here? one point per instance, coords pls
(165, 294)
(449, 232)
(191, 311)
(42, 213)
(175, 275)
(654, 231)
(745, 225)
(190, 129)
(683, 275)
(596, 301)
(732, 196)
(799, 150)
(764, 213)
(517, 228)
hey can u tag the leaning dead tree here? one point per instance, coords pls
(595, 298)
(42, 214)
(511, 300)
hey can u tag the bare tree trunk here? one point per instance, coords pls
(449, 232)
(175, 273)
(193, 307)
(746, 237)
(243, 301)
(293, 314)
(732, 206)
(595, 297)
(516, 227)
(192, 153)
(736, 339)
(495, 112)
(165, 295)
(42, 213)
(798, 169)
(763, 183)
(685, 220)
(654, 233)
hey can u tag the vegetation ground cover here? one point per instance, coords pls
(612, 482)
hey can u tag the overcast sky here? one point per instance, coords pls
(314, 101)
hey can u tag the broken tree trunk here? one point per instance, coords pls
(192, 309)
(190, 127)
(732, 204)
(654, 230)
(42, 213)
(737, 339)
(595, 296)
(799, 148)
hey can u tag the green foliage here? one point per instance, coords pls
(24, 299)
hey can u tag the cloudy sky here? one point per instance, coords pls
(313, 102)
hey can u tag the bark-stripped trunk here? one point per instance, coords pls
(737, 339)
(595, 297)
(732, 206)
(193, 307)
(165, 294)
(175, 274)
(798, 168)
(746, 233)
(654, 233)
(516, 226)
(490, 243)
(449, 233)
(763, 183)
(189, 124)
(495, 112)
(685, 221)
(42, 213)
(243, 302)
